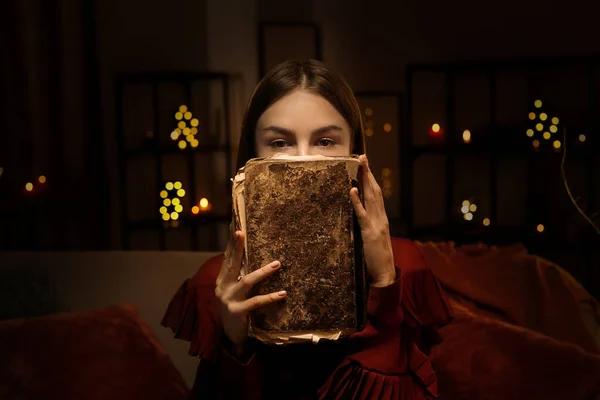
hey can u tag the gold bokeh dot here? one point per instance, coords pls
(181, 192)
(169, 186)
(194, 122)
(29, 186)
(538, 104)
(543, 116)
(183, 108)
(177, 185)
(540, 228)
(555, 121)
(553, 129)
(181, 124)
(539, 127)
(547, 135)
(530, 132)
(486, 222)
(466, 136)
(387, 127)
(164, 194)
(187, 115)
(532, 116)
(182, 144)
(582, 138)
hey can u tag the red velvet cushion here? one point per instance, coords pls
(100, 354)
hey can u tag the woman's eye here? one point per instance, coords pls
(326, 142)
(278, 143)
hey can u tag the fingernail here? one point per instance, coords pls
(276, 264)
(282, 293)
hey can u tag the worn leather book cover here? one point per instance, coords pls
(298, 210)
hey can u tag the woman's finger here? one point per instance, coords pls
(233, 263)
(260, 301)
(248, 281)
(359, 209)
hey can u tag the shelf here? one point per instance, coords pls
(184, 221)
(521, 150)
(498, 235)
(150, 151)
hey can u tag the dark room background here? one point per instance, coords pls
(76, 72)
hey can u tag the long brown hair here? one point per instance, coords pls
(309, 75)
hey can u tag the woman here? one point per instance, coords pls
(300, 108)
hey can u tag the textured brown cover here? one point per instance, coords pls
(298, 211)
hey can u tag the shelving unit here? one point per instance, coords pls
(501, 142)
(157, 149)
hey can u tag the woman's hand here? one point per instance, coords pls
(374, 228)
(233, 292)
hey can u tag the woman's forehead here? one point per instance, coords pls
(301, 110)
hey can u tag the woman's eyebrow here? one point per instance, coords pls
(278, 129)
(327, 128)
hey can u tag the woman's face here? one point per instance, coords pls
(302, 123)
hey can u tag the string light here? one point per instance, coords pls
(387, 127)
(171, 207)
(556, 144)
(581, 139)
(532, 116)
(386, 177)
(547, 135)
(536, 143)
(468, 210)
(466, 136)
(435, 128)
(538, 104)
(42, 179)
(540, 228)
(486, 222)
(555, 121)
(183, 133)
(203, 206)
(529, 132)
(29, 186)
(543, 116)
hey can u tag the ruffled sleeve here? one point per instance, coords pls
(193, 313)
(388, 358)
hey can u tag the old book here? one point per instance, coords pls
(298, 210)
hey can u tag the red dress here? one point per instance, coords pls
(386, 360)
